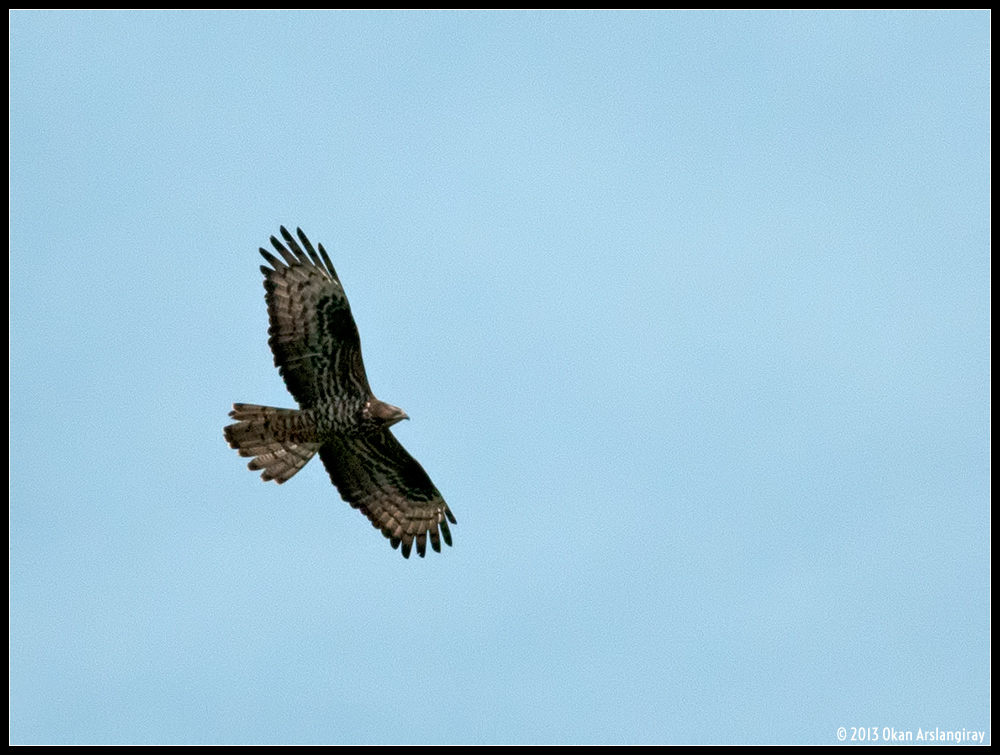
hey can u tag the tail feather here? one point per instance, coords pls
(279, 439)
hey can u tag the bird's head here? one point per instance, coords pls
(383, 413)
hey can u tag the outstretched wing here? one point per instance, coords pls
(377, 475)
(313, 336)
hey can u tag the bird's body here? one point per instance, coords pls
(318, 352)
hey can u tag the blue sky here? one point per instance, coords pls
(691, 313)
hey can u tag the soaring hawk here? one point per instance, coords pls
(318, 352)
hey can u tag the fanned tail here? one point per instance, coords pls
(278, 439)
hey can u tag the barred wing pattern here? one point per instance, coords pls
(377, 475)
(318, 352)
(314, 340)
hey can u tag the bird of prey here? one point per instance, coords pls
(317, 350)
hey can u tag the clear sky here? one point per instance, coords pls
(691, 313)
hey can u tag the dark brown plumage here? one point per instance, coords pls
(317, 350)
